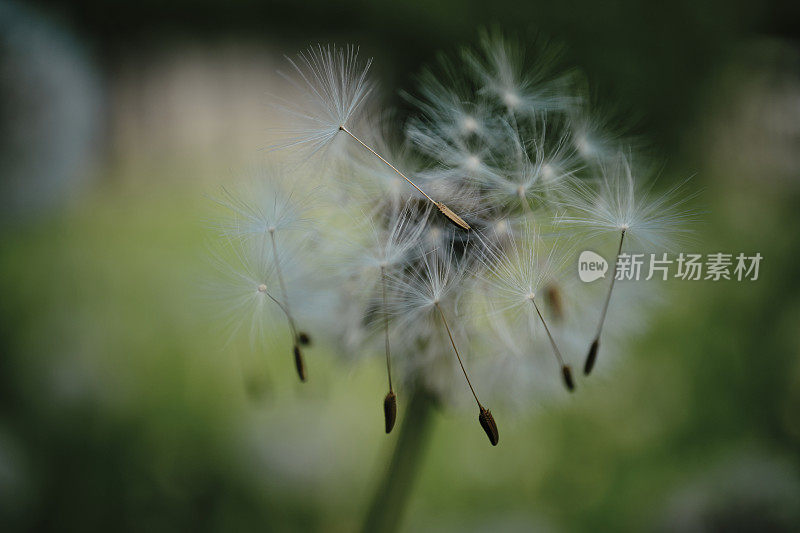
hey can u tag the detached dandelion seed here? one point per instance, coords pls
(337, 85)
(619, 206)
(518, 271)
(421, 294)
(256, 219)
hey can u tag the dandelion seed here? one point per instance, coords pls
(335, 85)
(619, 206)
(518, 272)
(298, 356)
(258, 219)
(591, 356)
(388, 249)
(422, 292)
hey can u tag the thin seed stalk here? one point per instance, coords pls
(556, 351)
(390, 401)
(281, 283)
(446, 211)
(299, 362)
(595, 346)
(484, 415)
(566, 370)
(386, 327)
(458, 356)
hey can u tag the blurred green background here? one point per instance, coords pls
(121, 410)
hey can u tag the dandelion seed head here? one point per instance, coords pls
(332, 86)
(520, 86)
(618, 202)
(469, 124)
(267, 203)
(518, 267)
(511, 100)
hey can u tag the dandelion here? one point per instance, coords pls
(335, 85)
(619, 205)
(507, 140)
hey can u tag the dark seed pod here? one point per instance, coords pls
(554, 301)
(299, 364)
(566, 372)
(390, 411)
(303, 338)
(487, 423)
(591, 357)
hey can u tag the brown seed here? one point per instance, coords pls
(446, 211)
(554, 301)
(591, 357)
(487, 423)
(304, 338)
(566, 372)
(390, 411)
(299, 364)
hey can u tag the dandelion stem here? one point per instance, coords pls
(386, 326)
(389, 502)
(549, 335)
(446, 211)
(455, 349)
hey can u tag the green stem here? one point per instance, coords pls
(386, 510)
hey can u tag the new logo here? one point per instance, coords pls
(591, 266)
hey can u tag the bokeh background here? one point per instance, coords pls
(120, 410)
